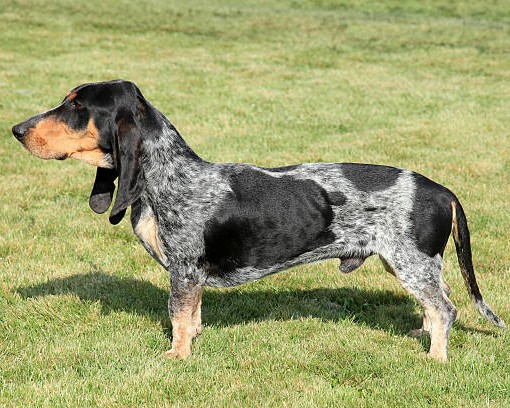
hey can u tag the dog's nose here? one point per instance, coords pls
(19, 131)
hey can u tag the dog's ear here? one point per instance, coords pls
(127, 144)
(102, 191)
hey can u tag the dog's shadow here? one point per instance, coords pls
(375, 308)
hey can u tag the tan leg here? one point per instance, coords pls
(439, 331)
(426, 318)
(182, 334)
(421, 277)
(196, 315)
(416, 332)
(184, 309)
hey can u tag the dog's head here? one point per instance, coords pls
(101, 124)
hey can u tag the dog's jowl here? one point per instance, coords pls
(224, 224)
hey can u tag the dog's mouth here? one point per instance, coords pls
(41, 153)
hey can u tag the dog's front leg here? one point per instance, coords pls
(184, 309)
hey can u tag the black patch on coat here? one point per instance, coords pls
(370, 177)
(267, 220)
(431, 217)
(337, 198)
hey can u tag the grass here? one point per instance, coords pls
(425, 86)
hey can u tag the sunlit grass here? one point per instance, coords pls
(425, 86)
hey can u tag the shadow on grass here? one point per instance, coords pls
(375, 308)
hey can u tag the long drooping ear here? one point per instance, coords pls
(102, 191)
(127, 145)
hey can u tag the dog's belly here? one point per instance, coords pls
(221, 279)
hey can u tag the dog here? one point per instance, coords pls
(225, 224)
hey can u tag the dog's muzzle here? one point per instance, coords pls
(19, 131)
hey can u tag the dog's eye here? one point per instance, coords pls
(76, 104)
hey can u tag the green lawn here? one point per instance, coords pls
(419, 85)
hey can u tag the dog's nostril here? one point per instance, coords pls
(19, 131)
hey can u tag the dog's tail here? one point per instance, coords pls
(463, 245)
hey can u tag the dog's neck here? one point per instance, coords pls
(177, 162)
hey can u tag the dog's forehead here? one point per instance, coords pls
(101, 93)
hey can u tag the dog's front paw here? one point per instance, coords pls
(440, 356)
(176, 353)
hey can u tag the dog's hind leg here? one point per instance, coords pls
(420, 275)
(426, 318)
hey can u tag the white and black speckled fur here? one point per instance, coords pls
(225, 224)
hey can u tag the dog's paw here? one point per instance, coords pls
(175, 353)
(440, 356)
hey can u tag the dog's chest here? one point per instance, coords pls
(145, 227)
(147, 231)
